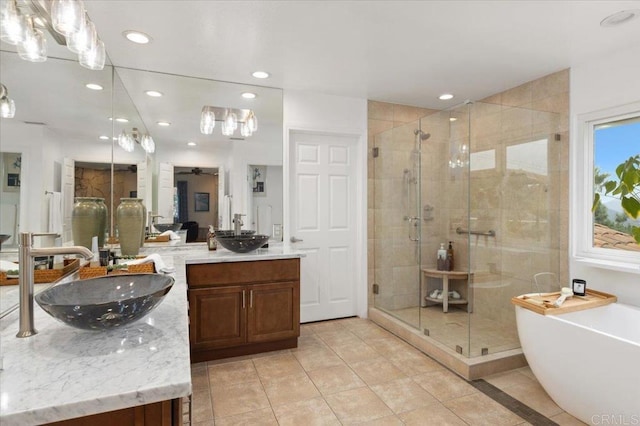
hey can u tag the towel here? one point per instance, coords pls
(55, 213)
(172, 235)
(8, 266)
(156, 259)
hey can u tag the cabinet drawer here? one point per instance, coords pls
(234, 273)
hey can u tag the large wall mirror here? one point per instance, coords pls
(65, 134)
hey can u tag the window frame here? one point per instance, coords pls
(582, 230)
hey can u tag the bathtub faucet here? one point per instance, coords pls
(25, 259)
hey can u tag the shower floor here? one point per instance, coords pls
(452, 329)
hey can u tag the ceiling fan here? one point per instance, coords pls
(196, 171)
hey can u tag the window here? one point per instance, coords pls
(606, 235)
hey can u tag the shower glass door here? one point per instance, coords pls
(397, 222)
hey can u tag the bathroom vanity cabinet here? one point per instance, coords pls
(164, 413)
(240, 308)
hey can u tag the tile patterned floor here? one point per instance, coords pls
(351, 371)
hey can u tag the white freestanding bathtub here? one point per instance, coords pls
(587, 361)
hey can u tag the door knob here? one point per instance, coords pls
(295, 240)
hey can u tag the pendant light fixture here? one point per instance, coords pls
(12, 25)
(7, 105)
(67, 16)
(34, 46)
(230, 119)
(65, 20)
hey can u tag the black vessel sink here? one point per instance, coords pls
(105, 302)
(164, 227)
(231, 232)
(242, 243)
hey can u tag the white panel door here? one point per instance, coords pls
(165, 193)
(68, 192)
(323, 213)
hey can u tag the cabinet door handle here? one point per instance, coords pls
(243, 303)
(251, 298)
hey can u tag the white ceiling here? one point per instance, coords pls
(404, 52)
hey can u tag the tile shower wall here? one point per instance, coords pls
(391, 256)
(529, 216)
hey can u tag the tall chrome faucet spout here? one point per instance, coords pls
(25, 258)
(237, 223)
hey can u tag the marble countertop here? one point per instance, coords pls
(221, 255)
(63, 372)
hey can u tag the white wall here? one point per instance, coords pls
(602, 83)
(333, 114)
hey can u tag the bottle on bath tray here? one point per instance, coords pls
(441, 258)
(211, 238)
(450, 257)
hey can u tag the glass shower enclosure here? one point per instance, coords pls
(485, 178)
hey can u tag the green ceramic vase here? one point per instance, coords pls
(86, 219)
(130, 222)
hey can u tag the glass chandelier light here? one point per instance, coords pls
(67, 17)
(148, 144)
(230, 119)
(7, 105)
(207, 120)
(34, 46)
(126, 141)
(12, 24)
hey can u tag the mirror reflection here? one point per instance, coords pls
(65, 131)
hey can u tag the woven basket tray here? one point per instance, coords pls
(99, 271)
(45, 275)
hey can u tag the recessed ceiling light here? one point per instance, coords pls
(137, 37)
(104, 138)
(260, 74)
(121, 120)
(192, 143)
(249, 95)
(620, 18)
(452, 119)
(445, 96)
(153, 93)
(163, 123)
(93, 86)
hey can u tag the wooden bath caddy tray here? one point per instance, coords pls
(45, 275)
(99, 271)
(542, 303)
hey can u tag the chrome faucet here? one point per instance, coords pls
(25, 258)
(237, 223)
(152, 221)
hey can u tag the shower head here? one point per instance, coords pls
(423, 136)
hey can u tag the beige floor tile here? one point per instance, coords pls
(479, 409)
(384, 421)
(566, 419)
(507, 379)
(200, 378)
(534, 396)
(444, 385)
(403, 395)
(262, 417)
(338, 337)
(232, 373)
(335, 379)
(527, 372)
(357, 406)
(414, 363)
(204, 423)
(369, 331)
(355, 352)
(388, 345)
(277, 365)
(313, 359)
(306, 329)
(319, 327)
(434, 415)
(310, 412)
(289, 389)
(228, 360)
(376, 370)
(309, 341)
(239, 398)
(201, 408)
